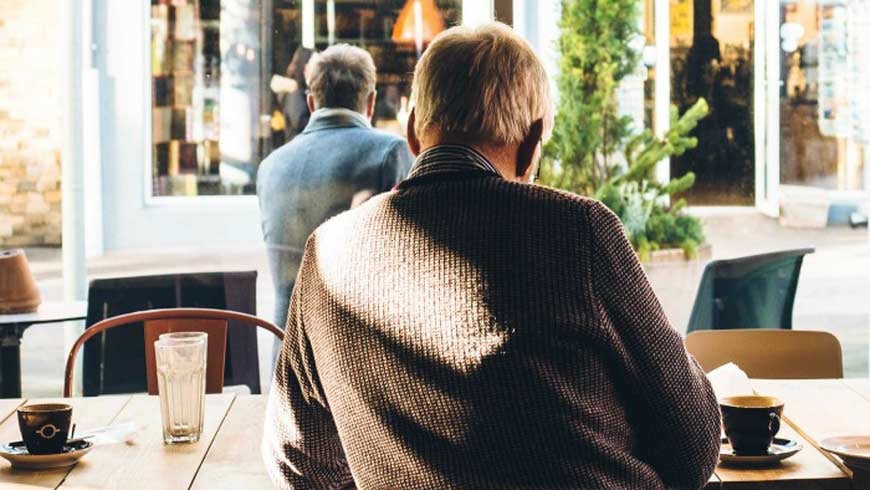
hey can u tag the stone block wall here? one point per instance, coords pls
(30, 122)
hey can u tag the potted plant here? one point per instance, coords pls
(594, 150)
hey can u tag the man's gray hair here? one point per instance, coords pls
(341, 76)
(484, 85)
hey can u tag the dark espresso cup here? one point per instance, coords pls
(44, 427)
(751, 422)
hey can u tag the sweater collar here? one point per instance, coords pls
(451, 158)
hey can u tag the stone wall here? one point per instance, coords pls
(30, 122)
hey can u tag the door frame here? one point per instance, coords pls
(766, 106)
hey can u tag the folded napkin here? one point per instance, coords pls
(729, 380)
(112, 434)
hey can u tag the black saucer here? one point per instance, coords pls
(17, 454)
(779, 450)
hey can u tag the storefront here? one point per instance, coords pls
(785, 80)
(194, 93)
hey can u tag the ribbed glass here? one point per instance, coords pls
(181, 385)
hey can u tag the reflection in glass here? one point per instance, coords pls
(823, 101)
(395, 32)
(712, 46)
(228, 84)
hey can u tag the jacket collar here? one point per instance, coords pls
(336, 117)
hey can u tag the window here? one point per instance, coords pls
(823, 102)
(712, 48)
(227, 85)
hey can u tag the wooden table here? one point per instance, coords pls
(12, 327)
(814, 409)
(228, 455)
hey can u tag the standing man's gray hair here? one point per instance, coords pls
(342, 76)
(485, 85)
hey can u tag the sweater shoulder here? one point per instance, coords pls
(586, 206)
(555, 201)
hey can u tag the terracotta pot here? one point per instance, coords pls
(18, 291)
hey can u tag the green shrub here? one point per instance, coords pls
(594, 150)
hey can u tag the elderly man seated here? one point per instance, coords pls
(473, 330)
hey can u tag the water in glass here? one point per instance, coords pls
(181, 367)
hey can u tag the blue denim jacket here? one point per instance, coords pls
(337, 161)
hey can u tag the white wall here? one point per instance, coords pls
(128, 221)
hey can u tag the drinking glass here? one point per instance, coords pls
(181, 364)
(184, 336)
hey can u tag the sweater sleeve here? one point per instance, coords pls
(676, 414)
(301, 447)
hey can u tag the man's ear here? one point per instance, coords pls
(413, 142)
(370, 104)
(527, 149)
(310, 100)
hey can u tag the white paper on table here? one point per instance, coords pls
(729, 380)
(112, 434)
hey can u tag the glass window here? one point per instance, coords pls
(823, 103)
(227, 84)
(712, 47)
(395, 32)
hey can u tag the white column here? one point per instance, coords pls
(91, 134)
(766, 107)
(662, 112)
(476, 12)
(549, 13)
(520, 19)
(330, 21)
(771, 94)
(72, 163)
(308, 24)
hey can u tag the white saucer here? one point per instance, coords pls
(855, 450)
(16, 453)
(779, 450)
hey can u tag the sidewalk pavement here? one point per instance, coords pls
(832, 292)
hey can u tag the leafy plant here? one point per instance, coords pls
(594, 54)
(594, 150)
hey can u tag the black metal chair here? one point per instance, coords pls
(114, 360)
(757, 291)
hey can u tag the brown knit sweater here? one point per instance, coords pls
(464, 331)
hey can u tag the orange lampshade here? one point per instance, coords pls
(418, 22)
(18, 291)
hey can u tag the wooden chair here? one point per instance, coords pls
(769, 353)
(213, 322)
(113, 362)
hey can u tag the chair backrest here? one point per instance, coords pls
(769, 353)
(114, 360)
(214, 322)
(757, 291)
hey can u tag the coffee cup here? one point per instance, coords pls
(45, 427)
(751, 422)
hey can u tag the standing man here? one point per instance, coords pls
(473, 330)
(337, 162)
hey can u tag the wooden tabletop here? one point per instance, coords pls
(825, 408)
(228, 455)
(814, 409)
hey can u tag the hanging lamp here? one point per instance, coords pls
(419, 22)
